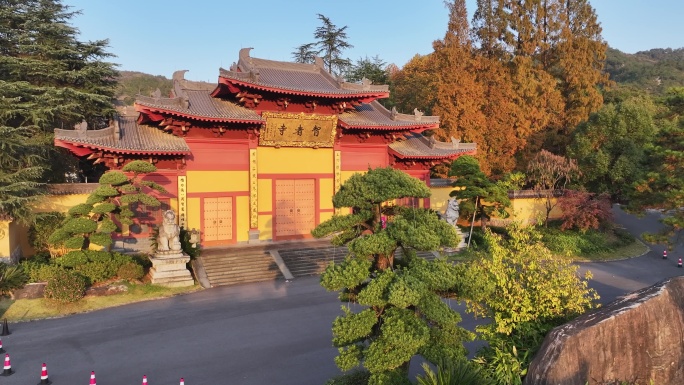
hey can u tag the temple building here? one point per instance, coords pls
(258, 156)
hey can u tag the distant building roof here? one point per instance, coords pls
(375, 115)
(125, 136)
(417, 146)
(296, 78)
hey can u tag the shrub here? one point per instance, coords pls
(98, 271)
(72, 259)
(38, 271)
(11, 278)
(130, 271)
(45, 224)
(355, 377)
(65, 286)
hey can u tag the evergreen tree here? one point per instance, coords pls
(402, 314)
(474, 189)
(305, 53)
(332, 41)
(373, 69)
(94, 221)
(53, 79)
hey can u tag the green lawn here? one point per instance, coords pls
(31, 309)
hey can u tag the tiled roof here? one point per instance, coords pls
(297, 78)
(374, 114)
(200, 105)
(126, 137)
(193, 99)
(417, 146)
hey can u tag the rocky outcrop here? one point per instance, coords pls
(638, 338)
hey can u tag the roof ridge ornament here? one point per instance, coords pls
(156, 95)
(244, 55)
(417, 114)
(455, 143)
(433, 141)
(366, 83)
(394, 113)
(319, 63)
(178, 89)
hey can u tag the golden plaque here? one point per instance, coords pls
(298, 130)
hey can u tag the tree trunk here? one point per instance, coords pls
(384, 262)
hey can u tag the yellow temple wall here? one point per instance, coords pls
(526, 210)
(289, 160)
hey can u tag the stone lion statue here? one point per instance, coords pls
(451, 214)
(168, 239)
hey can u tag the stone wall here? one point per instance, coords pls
(638, 338)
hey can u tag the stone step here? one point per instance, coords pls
(230, 267)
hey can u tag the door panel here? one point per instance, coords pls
(285, 207)
(210, 218)
(305, 201)
(218, 219)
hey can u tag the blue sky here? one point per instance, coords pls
(161, 36)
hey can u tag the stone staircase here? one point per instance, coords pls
(311, 261)
(233, 266)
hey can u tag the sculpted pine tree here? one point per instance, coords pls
(401, 313)
(459, 95)
(94, 221)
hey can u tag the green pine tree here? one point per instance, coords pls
(48, 79)
(401, 312)
(109, 205)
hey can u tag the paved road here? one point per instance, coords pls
(255, 334)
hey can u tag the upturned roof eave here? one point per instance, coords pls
(92, 146)
(430, 157)
(198, 117)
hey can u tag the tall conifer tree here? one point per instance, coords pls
(459, 95)
(579, 62)
(48, 79)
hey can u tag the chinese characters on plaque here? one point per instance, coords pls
(298, 130)
(182, 202)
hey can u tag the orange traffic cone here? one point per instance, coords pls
(1, 349)
(144, 380)
(679, 263)
(7, 369)
(664, 254)
(92, 378)
(44, 376)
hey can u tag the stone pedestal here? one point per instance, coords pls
(253, 237)
(170, 270)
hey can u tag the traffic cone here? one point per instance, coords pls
(7, 369)
(664, 254)
(182, 381)
(1, 349)
(92, 378)
(144, 380)
(44, 376)
(679, 263)
(5, 329)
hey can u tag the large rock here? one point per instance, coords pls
(638, 338)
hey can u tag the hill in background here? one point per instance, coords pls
(653, 71)
(132, 83)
